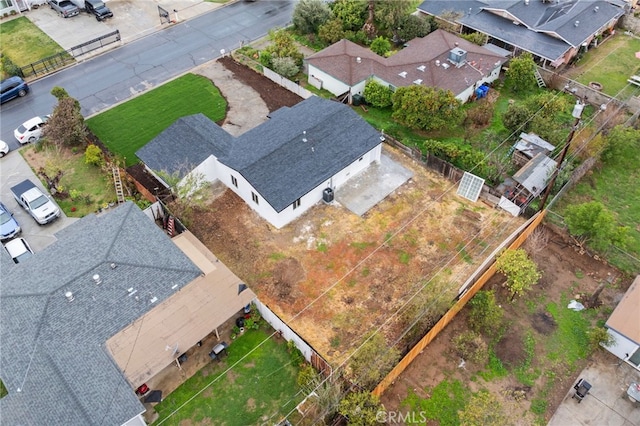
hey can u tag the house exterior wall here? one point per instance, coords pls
(208, 168)
(622, 347)
(328, 83)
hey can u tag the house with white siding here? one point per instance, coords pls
(441, 60)
(281, 168)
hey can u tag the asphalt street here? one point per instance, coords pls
(135, 67)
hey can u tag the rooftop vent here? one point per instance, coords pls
(445, 66)
(403, 74)
(418, 81)
(437, 63)
(422, 67)
(576, 23)
(526, 2)
(457, 56)
(358, 59)
(69, 296)
(97, 279)
(304, 136)
(113, 266)
(596, 9)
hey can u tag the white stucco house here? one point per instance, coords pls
(624, 326)
(282, 167)
(441, 60)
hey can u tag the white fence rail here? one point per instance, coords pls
(287, 84)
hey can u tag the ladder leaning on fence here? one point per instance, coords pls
(115, 170)
(539, 79)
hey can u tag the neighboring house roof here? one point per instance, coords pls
(193, 311)
(274, 157)
(53, 360)
(535, 174)
(531, 144)
(184, 145)
(414, 64)
(545, 29)
(624, 318)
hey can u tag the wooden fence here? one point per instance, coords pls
(483, 274)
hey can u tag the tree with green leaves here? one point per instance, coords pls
(476, 38)
(372, 362)
(616, 140)
(521, 272)
(377, 94)
(361, 409)
(282, 45)
(426, 108)
(352, 13)
(332, 31)
(593, 224)
(380, 45)
(285, 66)
(517, 118)
(412, 26)
(389, 14)
(66, 125)
(309, 15)
(520, 77)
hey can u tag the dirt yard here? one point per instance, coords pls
(566, 273)
(333, 275)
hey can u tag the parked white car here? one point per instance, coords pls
(18, 249)
(4, 148)
(30, 130)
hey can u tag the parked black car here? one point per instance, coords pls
(98, 8)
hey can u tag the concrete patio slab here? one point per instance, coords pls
(607, 402)
(364, 191)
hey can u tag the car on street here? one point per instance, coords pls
(4, 148)
(12, 87)
(30, 130)
(9, 227)
(18, 249)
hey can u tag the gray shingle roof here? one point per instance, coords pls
(543, 25)
(53, 359)
(184, 145)
(273, 158)
(339, 61)
(282, 167)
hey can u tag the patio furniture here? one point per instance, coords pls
(219, 350)
(582, 389)
(634, 392)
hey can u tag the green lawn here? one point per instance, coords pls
(89, 186)
(260, 389)
(129, 126)
(616, 186)
(611, 64)
(24, 43)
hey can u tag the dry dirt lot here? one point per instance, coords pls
(566, 272)
(333, 275)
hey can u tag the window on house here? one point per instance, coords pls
(296, 204)
(254, 197)
(234, 181)
(5, 4)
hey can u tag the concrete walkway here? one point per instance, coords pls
(607, 403)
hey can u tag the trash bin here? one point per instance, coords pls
(357, 99)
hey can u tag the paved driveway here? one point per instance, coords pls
(15, 170)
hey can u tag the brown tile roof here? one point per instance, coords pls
(417, 60)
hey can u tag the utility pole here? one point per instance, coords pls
(577, 113)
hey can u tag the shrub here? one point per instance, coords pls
(93, 155)
(485, 315)
(481, 114)
(380, 45)
(309, 15)
(331, 32)
(471, 347)
(377, 95)
(286, 67)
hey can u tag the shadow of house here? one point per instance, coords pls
(440, 60)
(88, 318)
